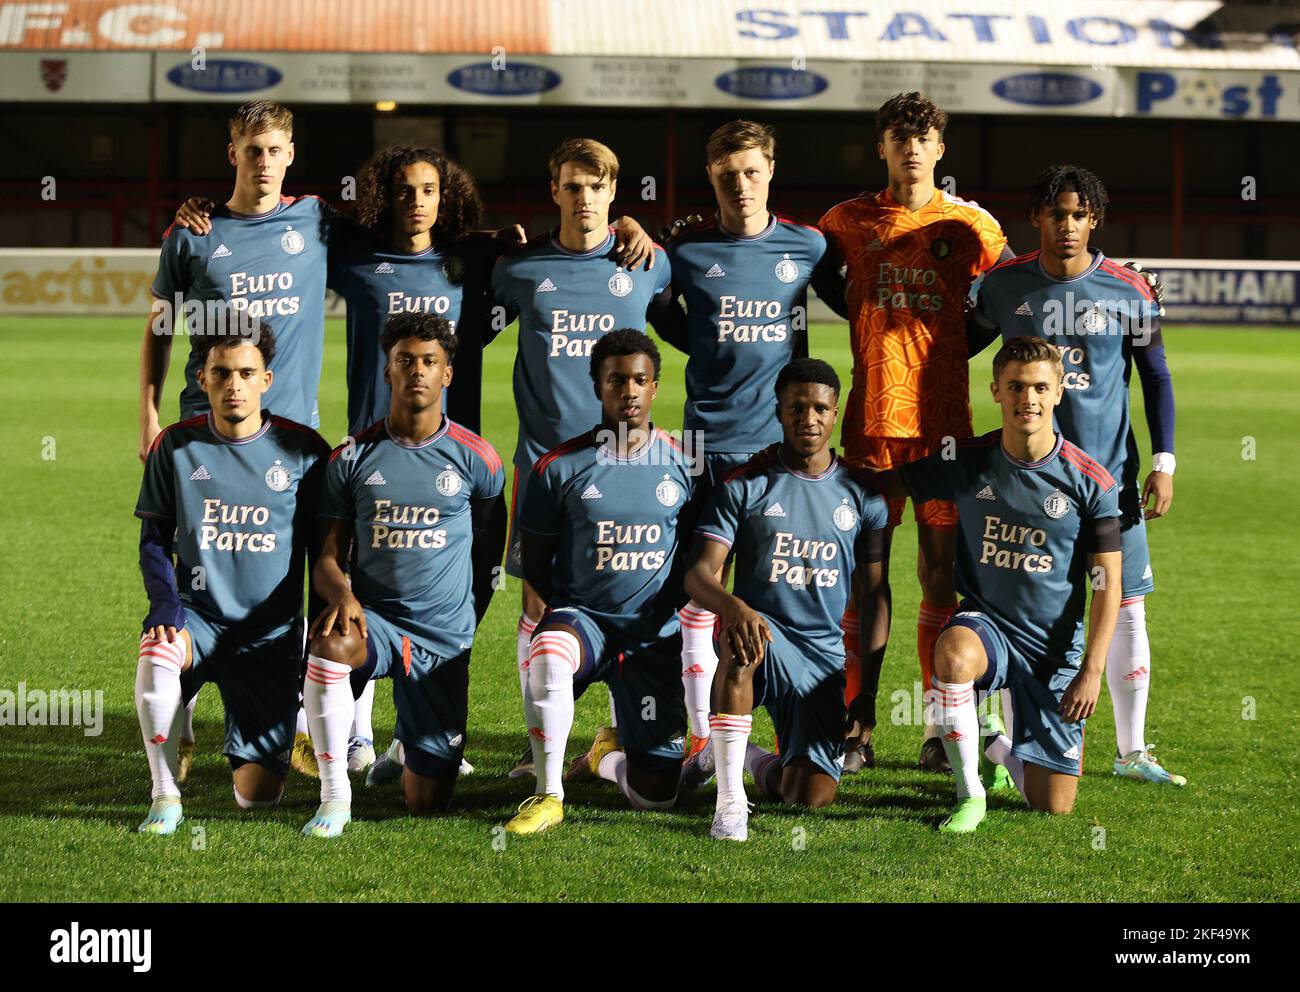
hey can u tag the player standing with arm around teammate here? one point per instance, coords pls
(602, 520)
(227, 507)
(417, 499)
(806, 529)
(1038, 524)
(1102, 316)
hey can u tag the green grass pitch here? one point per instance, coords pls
(1222, 626)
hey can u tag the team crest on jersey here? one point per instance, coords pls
(453, 267)
(277, 477)
(1093, 320)
(667, 492)
(448, 482)
(292, 242)
(620, 283)
(940, 248)
(1057, 504)
(787, 270)
(844, 516)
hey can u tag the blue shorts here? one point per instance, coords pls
(258, 677)
(645, 682)
(431, 695)
(803, 691)
(1041, 735)
(1138, 578)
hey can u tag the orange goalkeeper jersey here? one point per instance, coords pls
(907, 276)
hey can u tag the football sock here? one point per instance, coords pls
(1128, 676)
(187, 722)
(758, 762)
(523, 635)
(730, 734)
(960, 730)
(554, 659)
(300, 724)
(243, 803)
(699, 662)
(158, 707)
(613, 768)
(362, 709)
(327, 698)
(852, 660)
(998, 750)
(929, 621)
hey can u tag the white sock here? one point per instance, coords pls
(613, 768)
(362, 726)
(187, 722)
(300, 725)
(1008, 712)
(158, 707)
(998, 750)
(523, 636)
(613, 711)
(1128, 676)
(243, 803)
(327, 699)
(757, 762)
(699, 662)
(730, 734)
(554, 659)
(959, 728)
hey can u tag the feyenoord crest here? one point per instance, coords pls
(453, 267)
(54, 73)
(448, 482)
(844, 516)
(291, 241)
(667, 492)
(940, 248)
(277, 477)
(1057, 504)
(620, 283)
(787, 270)
(1093, 319)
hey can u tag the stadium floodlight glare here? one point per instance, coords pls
(385, 106)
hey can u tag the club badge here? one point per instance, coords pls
(277, 477)
(620, 283)
(844, 516)
(448, 482)
(667, 492)
(1057, 504)
(291, 241)
(787, 270)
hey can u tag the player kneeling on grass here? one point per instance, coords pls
(1038, 522)
(415, 499)
(802, 524)
(600, 526)
(228, 504)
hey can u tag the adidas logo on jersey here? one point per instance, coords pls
(875, 245)
(1024, 310)
(985, 493)
(774, 510)
(546, 286)
(221, 252)
(383, 269)
(376, 479)
(591, 492)
(1072, 753)
(201, 474)
(715, 272)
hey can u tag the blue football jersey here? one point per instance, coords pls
(616, 520)
(1022, 530)
(564, 301)
(274, 264)
(243, 511)
(412, 528)
(746, 317)
(798, 539)
(1094, 318)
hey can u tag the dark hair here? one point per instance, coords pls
(802, 370)
(624, 341)
(421, 326)
(226, 326)
(459, 205)
(908, 114)
(1026, 350)
(1058, 179)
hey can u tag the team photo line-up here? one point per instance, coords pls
(626, 539)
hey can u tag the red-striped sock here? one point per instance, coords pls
(730, 733)
(929, 621)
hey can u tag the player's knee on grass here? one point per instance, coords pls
(256, 786)
(959, 655)
(426, 796)
(343, 649)
(1050, 792)
(655, 787)
(804, 784)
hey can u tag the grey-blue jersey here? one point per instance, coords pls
(410, 505)
(746, 318)
(1095, 318)
(798, 539)
(616, 522)
(565, 301)
(1024, 533)
(243, 512)
(274, 264)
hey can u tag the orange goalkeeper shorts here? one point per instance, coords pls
(879, 453)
